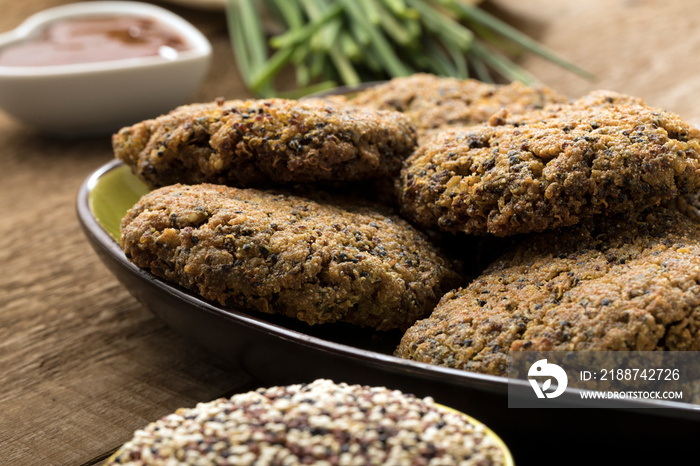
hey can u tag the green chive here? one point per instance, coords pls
(472, 13)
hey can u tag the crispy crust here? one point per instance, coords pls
(550, 169)
(257, 143)
(627, 283)
(436, 102)
(585, 106)
(287, 255)
(689, 205)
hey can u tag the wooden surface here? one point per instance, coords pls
(82, 364)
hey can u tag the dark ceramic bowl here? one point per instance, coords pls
(279, 351)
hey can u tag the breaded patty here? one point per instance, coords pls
(688, 205)
(287, 255)
(606, 98)
(258, 143)
(434, 102)
(572, 110)
(625, 283)
(543, 173)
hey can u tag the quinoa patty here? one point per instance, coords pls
(287, 255)
(257, 143)
(688, 205)
(317, 423)
(625, 283)
(548, 170)
(436, 102)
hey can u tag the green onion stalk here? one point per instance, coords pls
(346, 42)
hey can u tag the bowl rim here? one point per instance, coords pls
(200, 45)
(499, 385)
(507, 455)
(110, 246)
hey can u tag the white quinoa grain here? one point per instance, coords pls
(320, 423)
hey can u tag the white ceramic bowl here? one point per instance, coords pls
(99, 98)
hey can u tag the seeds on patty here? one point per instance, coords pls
(258, 143)
(287, 255)
(689, 205)
(628, 283)
(532, 173)
(437, 102)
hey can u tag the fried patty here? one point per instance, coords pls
(533, 173)
(629, 282)
(574, 109)
(281, 254)
(437, 102)
(257, 143)
(688, 205)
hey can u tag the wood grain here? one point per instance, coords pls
(644, 48)
(82, 364)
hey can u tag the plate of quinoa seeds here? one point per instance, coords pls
(317, 423)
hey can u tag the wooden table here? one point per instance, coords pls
(82, 364)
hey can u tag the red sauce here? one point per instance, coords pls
(94, 39)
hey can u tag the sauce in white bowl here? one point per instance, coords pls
(90, 68)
